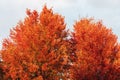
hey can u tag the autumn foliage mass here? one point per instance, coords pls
(41, 48)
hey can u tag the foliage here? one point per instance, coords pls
(37, 48)
(40, 48)
(1, 71)
(97, 52)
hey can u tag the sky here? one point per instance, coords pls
(12, 11)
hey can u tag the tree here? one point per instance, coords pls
(37, 48)
(97, 52)
(40, 48)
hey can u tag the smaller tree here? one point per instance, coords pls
(96, 52)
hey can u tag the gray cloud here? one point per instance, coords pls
(104, 3)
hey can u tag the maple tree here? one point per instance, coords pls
(40, 48)
(37, 47)
(97, 52)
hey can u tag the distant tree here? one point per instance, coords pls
(97, 52)
(37, 48)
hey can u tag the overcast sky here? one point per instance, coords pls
(12, 11)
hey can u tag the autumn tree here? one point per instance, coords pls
(37, 48)
(40, 48)
(97, 52)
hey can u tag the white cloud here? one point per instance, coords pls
(107, 10)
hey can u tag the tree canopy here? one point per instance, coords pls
(41, 48)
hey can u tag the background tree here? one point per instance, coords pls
(37, 48)
(96, 52)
